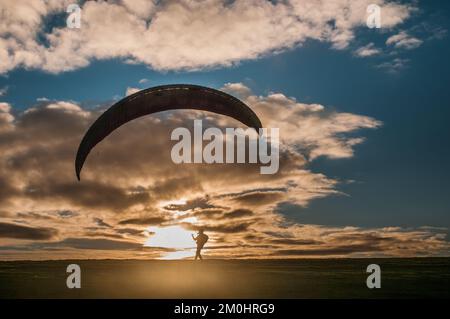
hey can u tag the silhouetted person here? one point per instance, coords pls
(201, 240)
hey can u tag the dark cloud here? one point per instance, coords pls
(94, 244)
(364, 237)
(89, 194)
(103, 234)
(7, 190)
(209, 212)
(24, 232)
(101, 223)
(217, 214)
(196, 203)
(67, 213)
(259, 197)
(4, 214)
(100, 244)
(221, 228)
(333, 251)
(54, 122)
(278, 234)
(130, 231)
(33, 215)
(166, 189)
(253, 237)
(83, 243)
(203, 214)
(143, 221)
(238, 213)
(293, 241)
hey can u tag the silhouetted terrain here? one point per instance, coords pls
(329, 278)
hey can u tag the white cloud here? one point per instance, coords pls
(178, 34)
(367, 50)
(141, 8)
(68, 107)
(237, 89)
(319, 131)
(6, 118)
(131, 90)
(394, 66)
(4, 107)
(403, 40)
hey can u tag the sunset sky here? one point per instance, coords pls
(362, 116)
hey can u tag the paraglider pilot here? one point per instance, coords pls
(201, 240)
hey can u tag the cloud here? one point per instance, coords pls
(367, 50)
(237, 213)
(5, 107)
(221, 228)
(101, 223)
(130, 231)
(67, 214)
(129, 179)
(258, 197)
(33, 215)
(437, 33)
(148, 221)
(176, 35)
(403, 40)
(394, 66)
(5, 116)
(195, 203)
(81, 243)
(91, 194)
(294, 242)
(335, 251)
(318, 131)
(237, 89)
(131, 90)
(99, 244)
(8, 230)
(142, 176)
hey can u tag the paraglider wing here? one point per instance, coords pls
(158, 99)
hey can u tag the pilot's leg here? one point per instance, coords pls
(197, 254)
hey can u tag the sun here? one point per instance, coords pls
(175, 237)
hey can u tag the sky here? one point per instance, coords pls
(361, 111)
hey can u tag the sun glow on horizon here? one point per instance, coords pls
(179, 254)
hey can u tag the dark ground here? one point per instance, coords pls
(326, 278)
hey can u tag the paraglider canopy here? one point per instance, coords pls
(158, 99)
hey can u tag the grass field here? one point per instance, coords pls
(325, 278)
